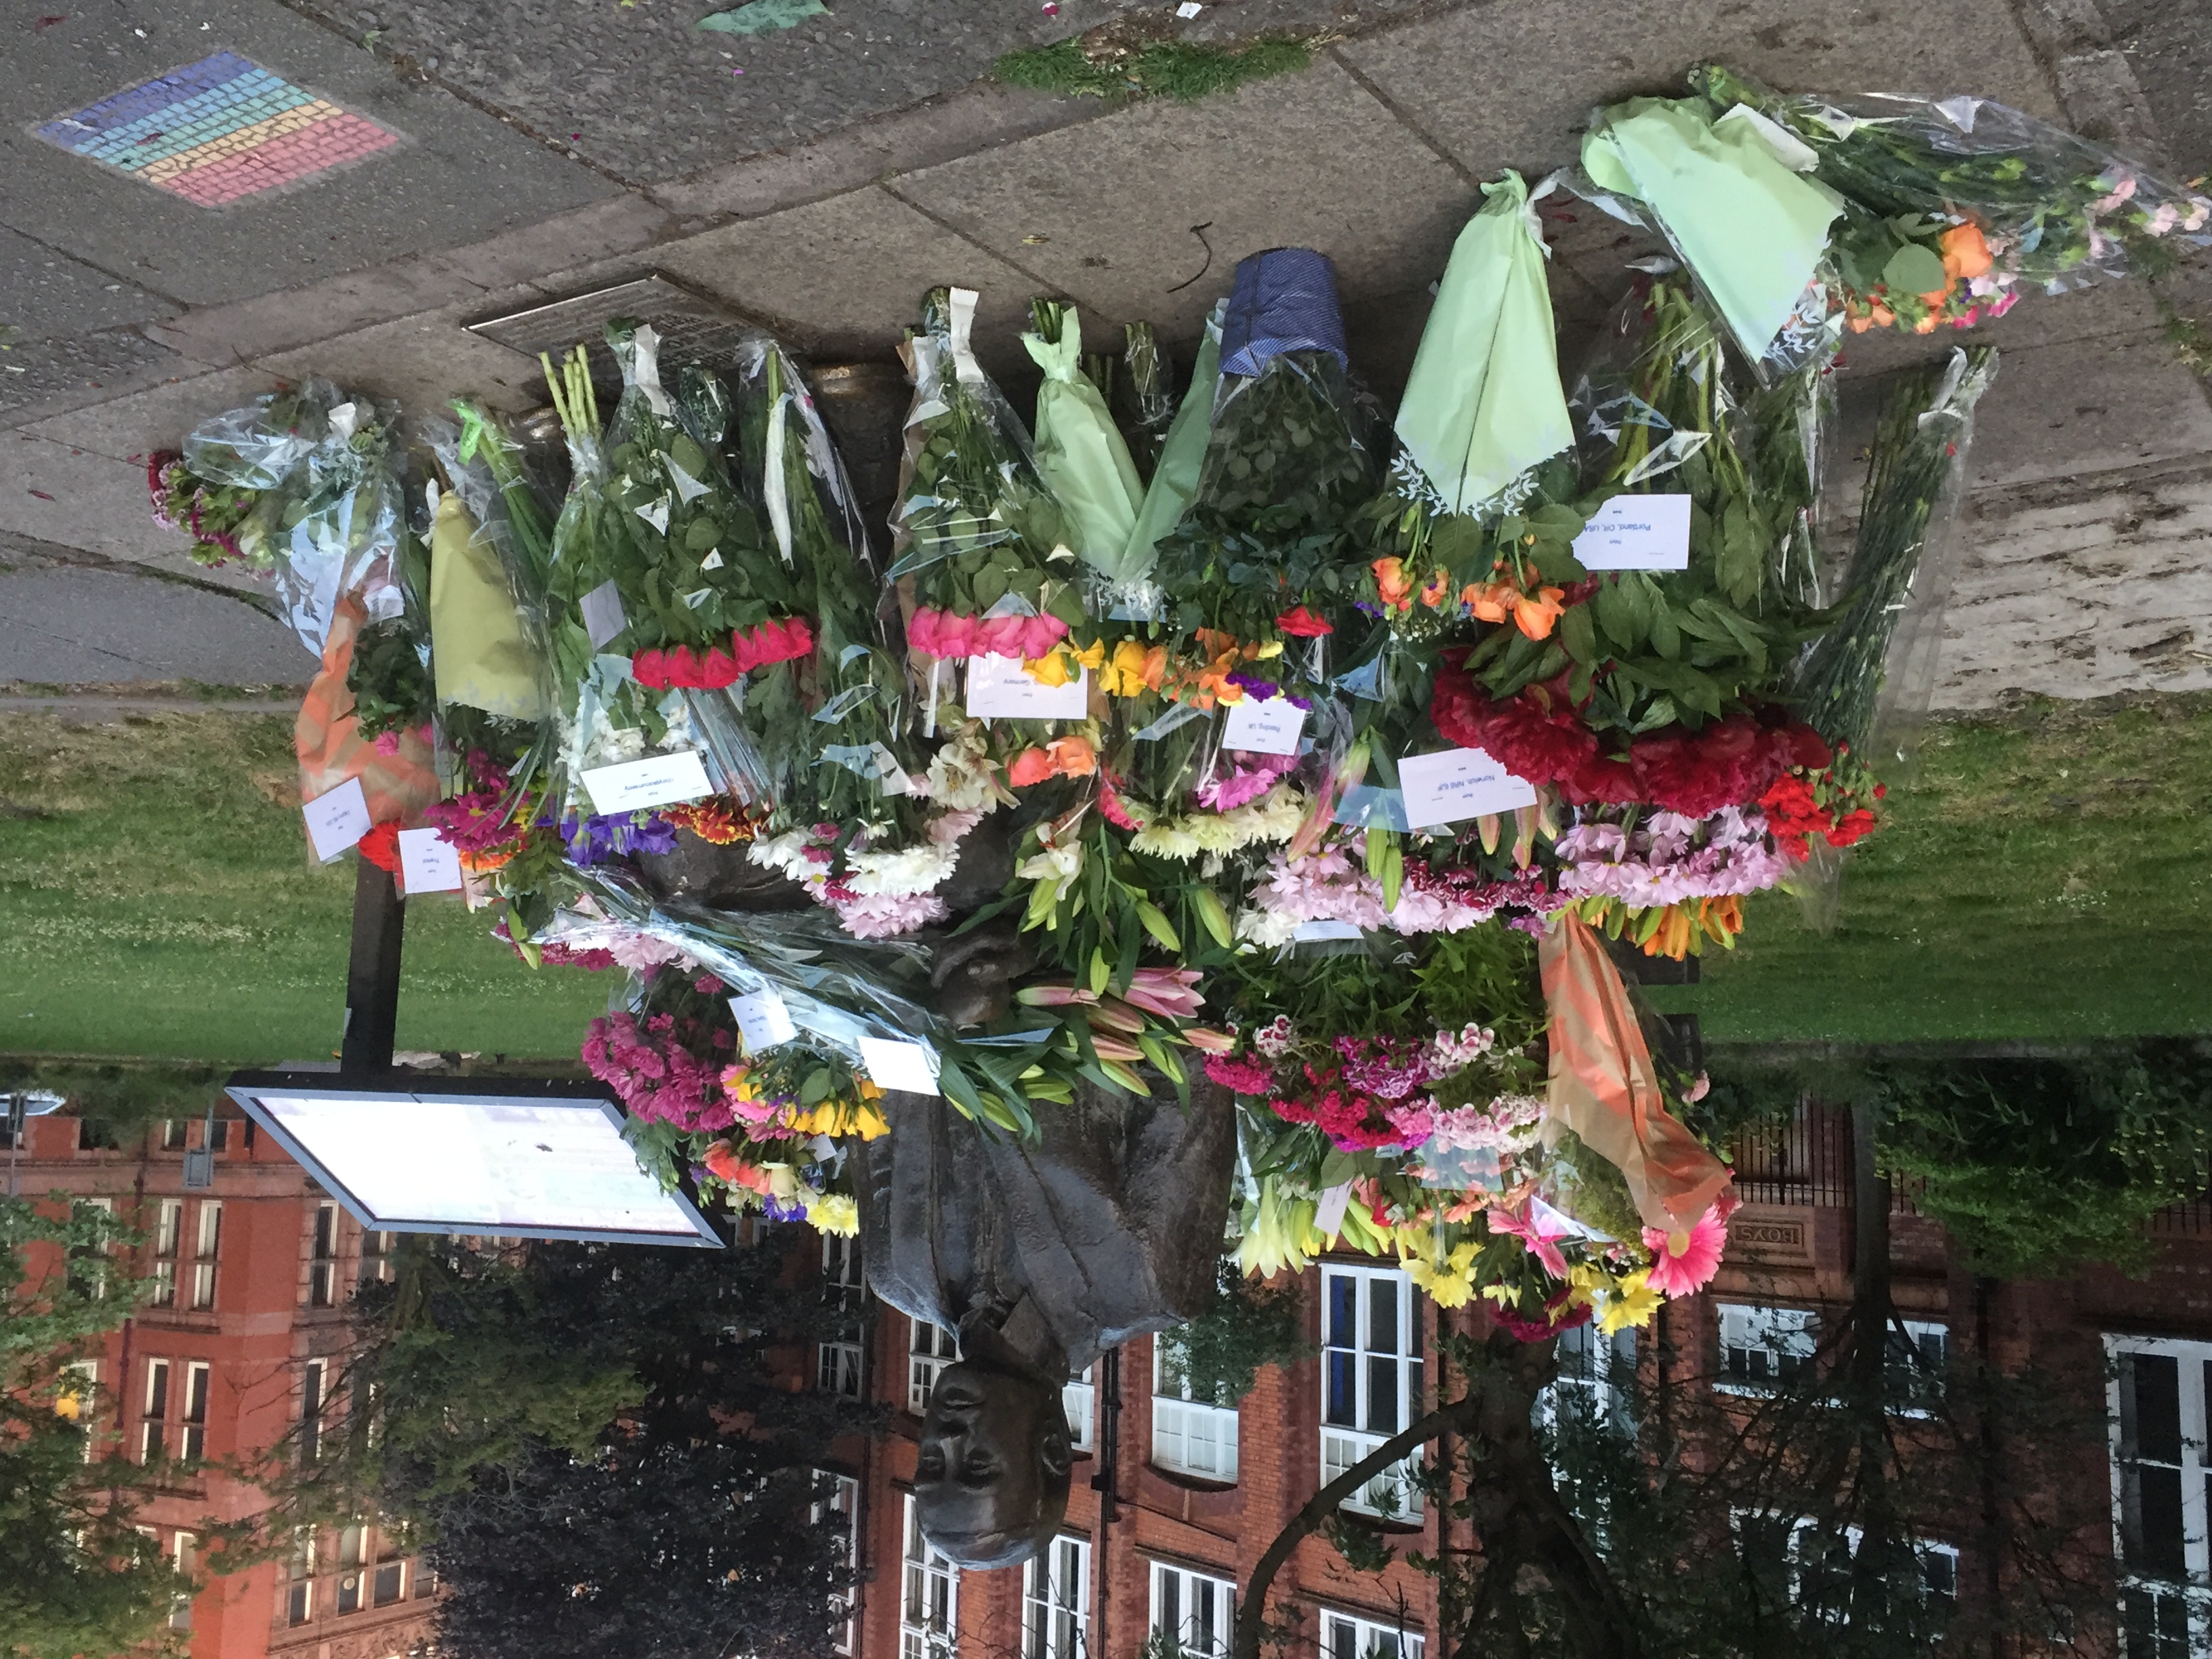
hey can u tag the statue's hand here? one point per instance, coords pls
(974, 975)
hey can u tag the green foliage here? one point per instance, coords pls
(1248, 1325)
(2039, 1167)
(1168, 69)
(76, 1576)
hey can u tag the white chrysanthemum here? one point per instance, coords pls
(1171, 840)
(785, 852)
(909, 870)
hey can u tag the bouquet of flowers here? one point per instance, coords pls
(221, 519)
(1952, 208)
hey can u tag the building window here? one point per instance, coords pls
(1593, 1372)
(323, 1268)
(1077, 1400)
(1371, 1380)
(2161, 1492)
(87, 1263)
(218, 1135)
(172, 1133)
(1056, 1602)
(168, 1225)
(375, 1258)
(206, 1239)
(198, 1375)
(1192, 1431)
(1763, 1347)
(1799, 1564)
(78, 1400)
(1348, 1636)
(299, 1598)
(1193, 1613)
(1919, 1360)
(151, 1444)
(313, 1376)
(183, 1555)
(351, 1542)
(929, 1606)
(837, 1363)
(840, 1507)
(388, 1588)
(930, 1349)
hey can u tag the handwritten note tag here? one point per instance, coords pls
(337, 819)
(1329, 1214)
(656, 781)
(1637, 532)
(1269, 725)
(911, 1066)
(428, 863)
(762, 1020)
(1459, 783)
(1000, 689)
(603, 613)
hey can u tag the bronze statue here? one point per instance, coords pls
(1041, 1255)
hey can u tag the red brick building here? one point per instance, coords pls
(237, 1352)
(1174, 1502)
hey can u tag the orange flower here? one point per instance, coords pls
(1493, 604)
(1965, 254)
(1927, 324)
(1883, 316)
(1072, 757)
(1535, 614)
(1437, 587)
(1390, 582)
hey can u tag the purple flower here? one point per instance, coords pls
(783, 1209)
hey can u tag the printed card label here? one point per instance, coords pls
(1309, 931)
(1459, 783)
(1328, 1212)
(656, 781)
(1000, 689)
(603, 613)
(911, 1066)
(337, 819)
(1269, 725)
(762, 1020)
(1637, 532)
(428, 863)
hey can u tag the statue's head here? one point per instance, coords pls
(991, 1481)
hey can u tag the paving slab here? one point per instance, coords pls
(44, 291)
(457, 175)
(67, 624)
(1513, 85)
(132, 428)
(34, 373)
(423, 361)
(78, 499)
(1106, 212)
(842, 278)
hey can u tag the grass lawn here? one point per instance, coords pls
(2047, 874)
(156, 898)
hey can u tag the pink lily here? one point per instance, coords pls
(1208, 1040)
(1168, 992)
(1053, 996)
(1538, 1235)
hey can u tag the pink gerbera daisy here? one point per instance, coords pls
(1683, 1271)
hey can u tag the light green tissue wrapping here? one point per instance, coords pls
(1751, 229)
(1483, 403)
(1080, 452)
(761, 17)
(1174, 480)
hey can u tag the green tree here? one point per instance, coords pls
(76, 1578)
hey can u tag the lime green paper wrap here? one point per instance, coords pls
(1080, 451)
(477, 650)
(1483, 403)
(1750, 228)
(1174, 480)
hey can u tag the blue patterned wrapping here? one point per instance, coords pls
(1284, 301)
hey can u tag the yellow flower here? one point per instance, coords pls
(870, 1091)
(1449, 1283)
(1050, 669)
(868, 1122)
(1631, 1302)
(834, 1212)
(1506, 1296)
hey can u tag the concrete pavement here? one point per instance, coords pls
(2096, 448)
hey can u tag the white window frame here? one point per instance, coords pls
(199, 1384)
(1782, 1334)
(169, 1236)
(1367, 1637)
(1078, 1399)
(929, 1349)
(838, 1365)
(207, 1244)
(153, 1410)
(1056, 1601)
(1911, 1377)
(1198, 1621)
(1392, 1495)
(929, 1595)
(183, 1555)
(322, 1258)
(1595, 1358)
(843, 1501)
(82, 1396)
(375, 1572)
(1793, 1553)
(2160, 1594)
(315, 1402)
(1189, 1437)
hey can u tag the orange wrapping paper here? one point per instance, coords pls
(328, 739)
(1604, 1087)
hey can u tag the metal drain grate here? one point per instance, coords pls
(692, 327)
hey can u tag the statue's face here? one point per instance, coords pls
(991, 1478)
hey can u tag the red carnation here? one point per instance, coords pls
(380, 846)
(650, 668)
(1304, 625)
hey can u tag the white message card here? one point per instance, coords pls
(337, 819)
(428, 863)
(762, 1020)
(1000, 689)
(656, 781)
(911, 1066)
(1309, 933)
(1637, 532)
(1459, 783)
(1269, 725)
